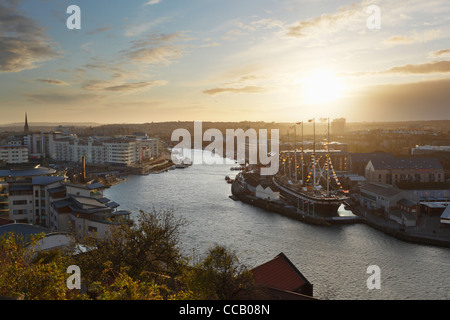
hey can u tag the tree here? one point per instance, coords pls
(145, 251)
(220, 276)
(31, 275)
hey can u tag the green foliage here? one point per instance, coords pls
(136, 262)
(26, 275)
(148, 249)
(221, 276)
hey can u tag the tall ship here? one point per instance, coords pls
(317, 190)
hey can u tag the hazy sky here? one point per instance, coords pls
(260, 60)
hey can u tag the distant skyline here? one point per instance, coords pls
(207, 60)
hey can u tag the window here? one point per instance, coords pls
(19, 202)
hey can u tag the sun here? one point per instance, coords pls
(322, 86)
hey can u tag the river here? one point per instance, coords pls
(334, 259)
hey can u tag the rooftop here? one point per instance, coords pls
(23, 229)
(423, 185)
(46, 180)
(406, 163)
(92, 186)
(380, 189)
(279, 273)
(369, 156)
(27, 172)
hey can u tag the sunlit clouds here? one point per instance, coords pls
(232, 61)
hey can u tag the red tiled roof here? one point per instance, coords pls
(279, 273)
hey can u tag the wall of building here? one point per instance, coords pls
(13, 154)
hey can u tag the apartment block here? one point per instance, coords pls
(37, 196)
(13, 154)
(120, 151)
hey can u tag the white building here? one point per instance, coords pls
(84, 210)
(383, 197)
(40, 145)
(29, 202)
(121, 151)
(13, 154)
(35, 196)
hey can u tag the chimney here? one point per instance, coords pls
(83, 169)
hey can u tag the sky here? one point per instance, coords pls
(206, 60)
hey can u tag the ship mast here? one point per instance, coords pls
(289, 156)
(314, 154)
(303, 179)
(295, 151)
(328, 159)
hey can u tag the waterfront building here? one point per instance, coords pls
(395, 170)
(38, 196)
(385, 198)
(42, 145)
(23, 199)
(119, 151)
(84, 210)
(427, 191)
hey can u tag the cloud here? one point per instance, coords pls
(247, 89)
(53, 82)
(156, 40)
(269, 23)
(100, 85)
(415, 37)
(99, 30)
(210, 44)
(151, 2)
(140, 28)
(136, 85)
(440, 53)
(424, 68)
(62, 98)
(328, 21)
(23, 43)
(156, 55)
(420, 68)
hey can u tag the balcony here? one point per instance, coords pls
(116, 217)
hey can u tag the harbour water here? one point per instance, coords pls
(334, 259)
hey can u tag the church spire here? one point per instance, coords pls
(26, 129)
